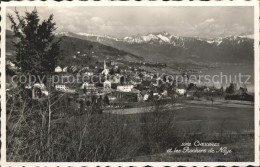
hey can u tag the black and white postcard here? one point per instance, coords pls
(129, 83)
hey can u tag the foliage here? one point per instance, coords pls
(231, 89)
(76, 137)
(36, 52)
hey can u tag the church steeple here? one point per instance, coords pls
(105, 70)
(105, 66)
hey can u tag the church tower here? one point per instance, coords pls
(105, 70)
(105, 65)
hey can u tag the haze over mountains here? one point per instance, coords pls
(159, 47)
(165, 47)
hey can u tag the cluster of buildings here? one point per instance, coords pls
(98, 81)
(120, 82)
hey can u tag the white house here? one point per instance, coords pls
(180, 91)
(58, 69)
(164, 93)
(146, 96)
(107, 84)
(115, 79)
(65, 69)
(45, 92)
(156, 94)
(60, 87)
(87, 86)
(125, 88)
(10, 64)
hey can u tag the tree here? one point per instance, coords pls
(231, 89)
(112, 71)
(90, 48)
(36, 54)
(37, 50)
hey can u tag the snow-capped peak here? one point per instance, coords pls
(99, 36)
(165, 39)
(216, 41)
(161, 37)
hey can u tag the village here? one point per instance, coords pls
(112, 84)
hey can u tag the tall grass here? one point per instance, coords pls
(92, 137)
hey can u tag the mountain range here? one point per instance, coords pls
(165, 47)
(157, 47)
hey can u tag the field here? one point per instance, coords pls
(229, 123)
(191, 115)
(144, 133)
(214, 117)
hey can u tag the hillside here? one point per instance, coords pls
(75, 50)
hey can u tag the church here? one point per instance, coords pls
(106, 70)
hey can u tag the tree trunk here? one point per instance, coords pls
(49, 124)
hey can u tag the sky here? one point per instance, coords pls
(205, 22)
